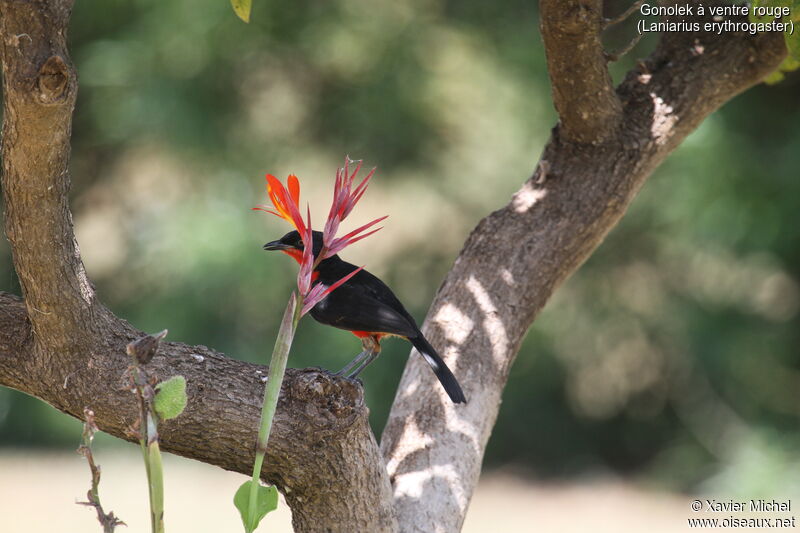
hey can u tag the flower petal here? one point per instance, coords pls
(285, 202)
(294, 188)
(344, 200)
(364, 227)
(340, 244)
(320, 291)
(307, 263)
(358, 193)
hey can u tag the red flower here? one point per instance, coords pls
(344, 200)
(285, 202)
(307, 264)
(320, 291)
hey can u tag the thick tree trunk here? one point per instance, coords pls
(517, 256)
(61, 345)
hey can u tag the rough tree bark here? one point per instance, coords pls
(62, 345)
(605, 146)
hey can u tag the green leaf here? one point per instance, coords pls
(776, 76)
(170, 400)
(793, 45)
(751, 15)
(789, 64)
(792, 62)
(242, 8)
(266, 501)
(793, 39)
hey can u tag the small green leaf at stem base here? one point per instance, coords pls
(242, 8)
(266, 498)
(170, 400)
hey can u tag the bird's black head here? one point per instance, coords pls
(291, 244)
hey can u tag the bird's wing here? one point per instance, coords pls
(365, 312)
(377, 289)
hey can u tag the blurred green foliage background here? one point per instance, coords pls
(671, 356)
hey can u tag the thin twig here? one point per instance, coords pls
(614, 56)
(108, 521)
(625, 14)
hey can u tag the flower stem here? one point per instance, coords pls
(277, 368)
(152, 455)
(155, 477)
(141, 352)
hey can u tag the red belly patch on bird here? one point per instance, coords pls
(378, 336)
(365, 334)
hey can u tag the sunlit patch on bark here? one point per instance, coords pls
(455, 325)
(527, 197)
(664, 119)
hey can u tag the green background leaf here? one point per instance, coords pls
(267, 501)
(793, 39)
(170, 400)
(242, 8)
(793, 45)
(789, 64)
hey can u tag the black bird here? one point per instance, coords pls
(365, 306)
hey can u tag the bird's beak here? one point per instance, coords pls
(276, 245)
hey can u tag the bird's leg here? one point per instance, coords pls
(362, 366)
(357, 359)
(373, 349)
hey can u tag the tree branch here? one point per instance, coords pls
(588, 107)
(321, 450)
(615, 56)
(40, 87)
(624, 15)
(516, 257)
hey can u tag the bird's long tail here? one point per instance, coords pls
(446, 378)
